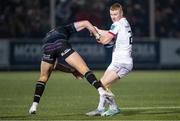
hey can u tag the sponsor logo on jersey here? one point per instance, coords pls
(66, 51)
(127, 26)
(47, 57)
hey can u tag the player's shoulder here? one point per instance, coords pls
(120, 22)
(115, 25)
(124, 21)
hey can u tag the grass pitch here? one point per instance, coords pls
(142, 95)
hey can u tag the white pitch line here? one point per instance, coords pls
(148, 108)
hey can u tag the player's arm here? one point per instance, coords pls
(68, 69)
(100, 31)
(86, 24)
(106, 38)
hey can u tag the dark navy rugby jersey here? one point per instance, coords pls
(66, 30)
(62, 32)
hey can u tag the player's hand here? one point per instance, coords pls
(96, 28)
(90, 33)
(97, 36)
(77, 75)
(98, 40)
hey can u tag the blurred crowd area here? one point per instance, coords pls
(31, 19)
(24, 18)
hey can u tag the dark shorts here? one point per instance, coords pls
(54, 48)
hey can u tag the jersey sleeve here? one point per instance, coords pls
(114, 28)
(70, 28)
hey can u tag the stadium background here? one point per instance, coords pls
(155, 26)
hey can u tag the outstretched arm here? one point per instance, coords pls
(100, 31)
(86, 24)
(105, 36)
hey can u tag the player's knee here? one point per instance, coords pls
(83, 70)
(43, 78)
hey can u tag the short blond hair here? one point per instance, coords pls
(116, 6)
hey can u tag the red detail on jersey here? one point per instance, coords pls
(111, 33)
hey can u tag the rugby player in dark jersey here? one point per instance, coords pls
(55, 45)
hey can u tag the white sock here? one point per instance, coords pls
(101, 90)
(35, 104)
(102, 102)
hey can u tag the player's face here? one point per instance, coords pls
(115, 15)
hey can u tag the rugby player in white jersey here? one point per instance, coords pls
(122, 63)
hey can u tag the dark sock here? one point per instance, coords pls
(40, 86)
(92, 79)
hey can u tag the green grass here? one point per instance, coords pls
(142, 95)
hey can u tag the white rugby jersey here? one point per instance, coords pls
(121, 30)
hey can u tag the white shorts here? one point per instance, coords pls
(120, 68)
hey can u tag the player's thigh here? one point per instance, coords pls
(76, 61)
(46, 69)
(109, 77)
